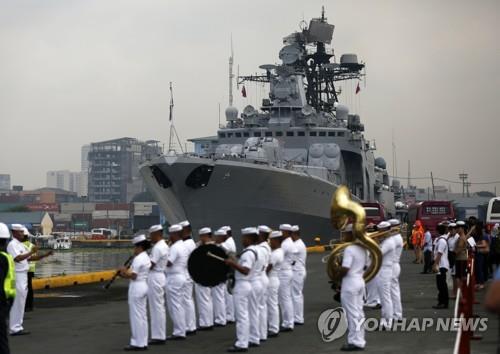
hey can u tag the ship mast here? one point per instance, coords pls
(172, 132)
(231, 75)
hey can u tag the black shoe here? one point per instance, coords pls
(219, 325)
(176, 338)
(253, 345)
(230, 322)
(190, 333)
(157, 342)
(272, 334)
(207, 328)
(375, 307)
(20, 333)
(440, 307)
(351, 348)
(286, 329)
(133, 348)
(298, 323)
(235, 349)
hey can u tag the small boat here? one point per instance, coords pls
(62, 243)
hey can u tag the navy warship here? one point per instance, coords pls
(280, 163)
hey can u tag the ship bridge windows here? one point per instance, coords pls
(341, 134)
(312, 133)
(268, 133)
(238, 135)
(160, 177)
(301, 133)
(222, 135)
(290, 134)
(331, 133)
(322, 133)
(246, 134)
(279, 133)
(229, 135)
(257, 134)
(199, 177)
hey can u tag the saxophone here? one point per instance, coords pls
(342, 210)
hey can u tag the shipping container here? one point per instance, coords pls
(112, 206)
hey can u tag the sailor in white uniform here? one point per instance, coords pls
(188, 289)
(273, 270)
(265, 254)
(285, 275)
(244, 269)
(204, 293)
(138, 294)
(219, 291)
(230, 247)
(299, 276)
(388, 249)
(176, 282)
(396, 271)
(156, 285)
(352, 289)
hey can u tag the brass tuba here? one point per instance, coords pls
(342, 209)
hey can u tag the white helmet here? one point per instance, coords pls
(4, 231)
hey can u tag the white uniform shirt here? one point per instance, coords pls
(264, 256)
(140, 266)
(427, 241)
(190, 245)
(355, 258)
(442, 247)
(247, 260)
(301, 256)
(398, 247)
(388, 249)
(16, 248)
(159, 256)
(452, 242)
(277, 258)
(178, 256)
(229, 245)
(290, 253)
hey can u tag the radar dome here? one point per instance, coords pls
(231, 113)
(342, 112)
(380, 163)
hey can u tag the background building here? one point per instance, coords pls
(64, 179)
(4, 182)
(84, 177)
(113, 167)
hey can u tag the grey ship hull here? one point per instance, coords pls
(242, 194)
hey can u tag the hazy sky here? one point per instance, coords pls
(74, 72)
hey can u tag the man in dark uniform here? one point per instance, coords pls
(7, 288)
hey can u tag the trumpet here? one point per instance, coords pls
(342, 209)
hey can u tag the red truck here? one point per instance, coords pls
(430, 213)
(375, 212)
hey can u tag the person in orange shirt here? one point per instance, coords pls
(417, 239)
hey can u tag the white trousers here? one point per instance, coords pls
(219, 301)
(205, 305)
(138, 313)
(157, 308)
(298, 278)
(189, 305)
(17, 310)
(263, 307)
(273, 311)
(285, 298)
(175, 286)
(351, 297)
(372, 297)
(229, 306)
(253, 309)
(241, 294)
(384, 291)
(396, 293)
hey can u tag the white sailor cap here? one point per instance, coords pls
(138, 239)
(295, 228)
(25, 231)
(155, 228)
(175, 228)
(4, 231)
(220, 232)
(460, 223)
(347, 228)
(204, 231)
(383, 225)
(184, 223)
(395, 222)
(264, 228)
(276, 234)
(286, 227)
(249, 231)
(227, 228)
(452, 224)
(17, 227)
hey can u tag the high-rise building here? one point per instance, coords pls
(64, 179)
(114, 168)
(84, 178)
(4, 182)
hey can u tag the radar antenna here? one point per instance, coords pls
(231, 75)
(173, 131)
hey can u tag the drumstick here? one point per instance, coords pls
(210, 254)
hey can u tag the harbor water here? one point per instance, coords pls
(81, 260)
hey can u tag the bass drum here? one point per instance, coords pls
(206, 270)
